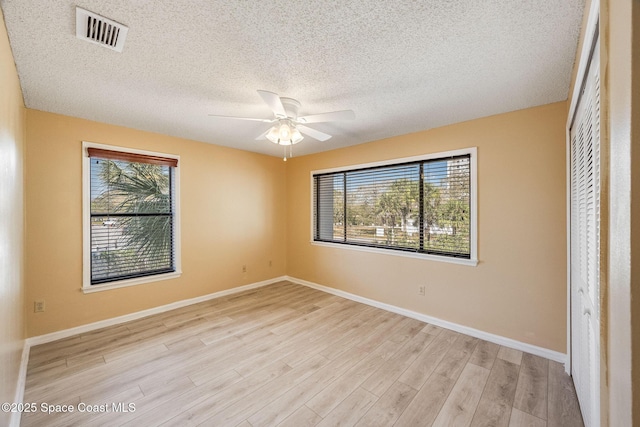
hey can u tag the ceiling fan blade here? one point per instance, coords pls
(328, 117)
(274, 102)
(315, 134)
(263, 135)
(242, 118)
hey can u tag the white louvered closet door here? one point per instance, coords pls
(585, 246)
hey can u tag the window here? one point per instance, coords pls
(424, 206)
(130, 217)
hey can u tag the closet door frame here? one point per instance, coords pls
(592, 33)
(591, 390)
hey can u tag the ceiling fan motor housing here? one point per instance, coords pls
(291, 107)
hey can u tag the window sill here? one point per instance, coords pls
(439, 258)
(130, 282)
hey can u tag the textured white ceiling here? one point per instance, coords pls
(401, 65)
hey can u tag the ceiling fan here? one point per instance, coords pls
(287, 127)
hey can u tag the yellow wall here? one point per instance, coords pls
(518, 290)
(12, 141)
(232, 213)
(245, 208)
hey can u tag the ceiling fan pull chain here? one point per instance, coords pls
(285, 153)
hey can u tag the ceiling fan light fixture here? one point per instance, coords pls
(296, 136)
(284, 133)
(272, 135)
(287, 127)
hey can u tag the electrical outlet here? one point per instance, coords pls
(244, 268)
(38, 306)
(422, 290)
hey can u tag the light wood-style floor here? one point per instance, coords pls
(289, 355)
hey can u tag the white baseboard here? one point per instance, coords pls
(14, 421)
(42, 339)
(65, 333)
(54, 336)
(497, 339)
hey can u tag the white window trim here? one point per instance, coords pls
(473, 261)
(87, 287)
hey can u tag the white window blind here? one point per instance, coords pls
(132, 215)
(421, 206)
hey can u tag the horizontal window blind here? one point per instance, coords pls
(132, 217)
(422, 207)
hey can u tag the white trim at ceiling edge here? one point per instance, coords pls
(496, 339)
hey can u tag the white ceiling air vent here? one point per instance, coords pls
(100, 30)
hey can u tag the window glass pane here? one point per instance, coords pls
(382, 206)
(393, 207)
(330, 207)
(447, 212)
(131, 220)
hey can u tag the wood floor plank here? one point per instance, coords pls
(494, 408)
(461, 404)
(485, 354)
(456, 357)
(408, 329)
(56, 371)
(286, 354)
(356, 329)
(196, 405)
(386, 410)
(72, 384)
(88, 417)
(350, 410)
(432, 329)
(381, 333)
(325, 401)
(263, 396)
(426, 405)
(522, 419)
(310, 320)
(380, 380)
(531, 392)
(164, 383)
(296, 397)
(510, 355)
(564, 410)
(327, 336)
(301, 418)
(298, 347)
(39, 418)
(428, 360)
(160, 407)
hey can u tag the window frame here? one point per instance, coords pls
(87, 287)
(472, 152)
